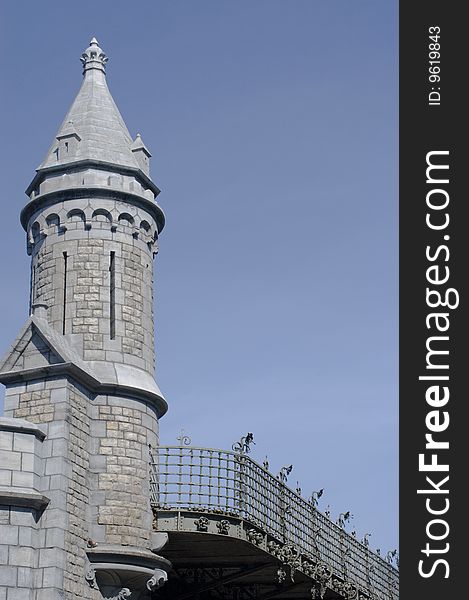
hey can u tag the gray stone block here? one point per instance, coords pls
(4, 515)
(19, 594)
(57, 465)
(22, 479)
(26, 536)
(98, 429)
(21, 516)
(8, 576)
(55, 517)
(10, 534)
(55, 537)
(21, 556)
(5, 477)
(57, 429)
(29, 461)
(58, 395)
(6, 440)
(52, 577)
(60, 447)
(25, 577)
(10, 460)
(98, 463)
(23, 442)
(52, 557)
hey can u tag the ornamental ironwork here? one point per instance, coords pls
(314, 499)
(254, 536)
(223, 527)
(244, 444)
(201, 523)
(227, 483)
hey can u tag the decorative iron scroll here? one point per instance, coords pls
(244, 444)
(234, 485)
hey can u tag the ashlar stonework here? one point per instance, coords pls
(82, 405)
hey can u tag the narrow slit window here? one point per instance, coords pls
(64, 308)
(33, 286)
(112, 295)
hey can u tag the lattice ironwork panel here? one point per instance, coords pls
(190, 478)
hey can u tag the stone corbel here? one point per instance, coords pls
(90, 577)
(158, 579)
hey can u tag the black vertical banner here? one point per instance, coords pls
(434, 357)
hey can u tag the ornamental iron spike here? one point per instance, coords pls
(183, 439)
(284, 473)
(244, 444)
(365, 540)
(314, 499)
(343, 518)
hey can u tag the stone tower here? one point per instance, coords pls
(82, 405)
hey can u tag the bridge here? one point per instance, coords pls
(261, 539)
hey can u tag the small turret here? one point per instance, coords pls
(87, 348)
(141, 153)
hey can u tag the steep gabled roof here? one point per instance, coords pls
(95, 119)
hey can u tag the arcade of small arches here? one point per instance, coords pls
(60, 222)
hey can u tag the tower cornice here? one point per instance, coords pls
(41, 172)
(50, 198)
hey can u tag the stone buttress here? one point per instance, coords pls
(82, 405)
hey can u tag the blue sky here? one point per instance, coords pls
(273, 129)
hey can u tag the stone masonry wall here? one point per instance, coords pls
(88, 311)
(121, 510)
(21, 468)
(33, 404)
(95, 471)
(71, 274)
(42, 277)
(76, 536)
(61, 408)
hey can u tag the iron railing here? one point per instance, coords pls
(189, 478)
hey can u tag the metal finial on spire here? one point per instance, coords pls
(93, 57)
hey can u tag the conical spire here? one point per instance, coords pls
(98, 126)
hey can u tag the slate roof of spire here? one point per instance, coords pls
(96, 119)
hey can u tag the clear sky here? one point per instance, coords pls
(273, 129)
